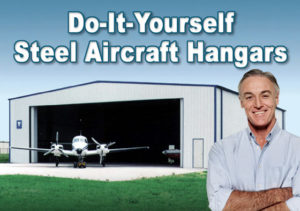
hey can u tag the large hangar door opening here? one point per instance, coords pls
(153, 123)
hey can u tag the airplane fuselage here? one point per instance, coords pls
(80, 145)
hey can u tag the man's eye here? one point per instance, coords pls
(248, 97)
(266, 96)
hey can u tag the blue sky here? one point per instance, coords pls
(257, 23)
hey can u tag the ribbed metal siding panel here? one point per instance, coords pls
(218, 114)
(19, 111)
(234, 118)
(199, 122)
(279, 117)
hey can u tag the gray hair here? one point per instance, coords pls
(257, 72)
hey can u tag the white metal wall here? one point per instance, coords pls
(234, 117)
(218, 113)
(280, 117)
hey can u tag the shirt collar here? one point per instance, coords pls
(275, 130)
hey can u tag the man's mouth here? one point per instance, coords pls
(259, 112)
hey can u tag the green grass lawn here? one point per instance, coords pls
(4, 158)
(180, 192)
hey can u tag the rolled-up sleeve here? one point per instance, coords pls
(294, 202)
(218, 181)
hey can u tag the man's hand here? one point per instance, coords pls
(243, 200)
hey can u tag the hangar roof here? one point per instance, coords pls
(130, 82)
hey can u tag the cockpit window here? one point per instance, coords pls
(80, 140)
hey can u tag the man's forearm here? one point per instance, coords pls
(277, 207)
(243, 200)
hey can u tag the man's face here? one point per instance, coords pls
(259, 99)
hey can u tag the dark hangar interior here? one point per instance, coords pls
(153, 123)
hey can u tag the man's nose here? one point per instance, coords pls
(257, 103)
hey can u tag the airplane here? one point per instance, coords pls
(172, 154)
(80, 150)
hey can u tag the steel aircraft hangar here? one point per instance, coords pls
(190, 117)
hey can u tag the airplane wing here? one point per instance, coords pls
(48, 151)
(91, 152)
(127, 149)
(69, 152)
(34, 149)
(96, 152)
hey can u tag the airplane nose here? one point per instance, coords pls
(78, 151)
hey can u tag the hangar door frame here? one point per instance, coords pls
(33, 129)
(33, 133)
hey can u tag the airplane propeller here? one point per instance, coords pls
(49, 152)
(56, 146)
(105, 145)
(103, 150)
(110, 144)
(96, 142)
(56, 138)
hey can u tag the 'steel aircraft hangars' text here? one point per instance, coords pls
(80, 150)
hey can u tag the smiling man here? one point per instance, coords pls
(259, 167)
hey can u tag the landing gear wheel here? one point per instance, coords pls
(56, 162)
(75, 164)
(81, 164)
